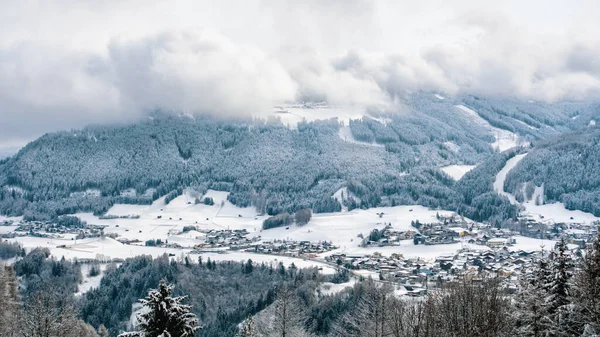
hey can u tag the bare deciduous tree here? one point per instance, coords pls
(9, 301)
(49, 315)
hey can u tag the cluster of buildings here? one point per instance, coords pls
(576, 233)
(304, 249)
(226, 238)
(47, 229)
(387, 237)
(447, 230)
(418, 275)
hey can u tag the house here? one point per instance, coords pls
(496, 242)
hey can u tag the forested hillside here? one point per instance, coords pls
(568, 167)
(478, 200)
(393, 158)
(224, 294)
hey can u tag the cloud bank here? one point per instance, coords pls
(69, 63)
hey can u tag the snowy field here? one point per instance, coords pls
(160, 221)
(409, 250)
(7, 229)
(94, 248)
(556, 212)
(457, 171)
(342, 229)
(105, 249)
(273, 260)
(90, 282)
(10, 218)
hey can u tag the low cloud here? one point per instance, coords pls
(82, 63)
(196, 72)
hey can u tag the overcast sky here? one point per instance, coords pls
(67, 63)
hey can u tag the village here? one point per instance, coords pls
(418, 275)
(482, 250)
(453, 229)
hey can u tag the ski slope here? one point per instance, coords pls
(501, 177)
(504, 139)
(550, 213)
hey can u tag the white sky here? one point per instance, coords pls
(67, 63)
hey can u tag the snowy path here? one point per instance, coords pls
(501, 177)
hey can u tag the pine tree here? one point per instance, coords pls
(248, 328)
(531, 314)
(166, 316)
(559, 284)
(102, 331)
(559, 291)
(587, 289)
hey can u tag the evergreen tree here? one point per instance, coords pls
(102, 331)
(559, 289)
(531, 314)
(587, 290)
(248, 328)
(166, 316)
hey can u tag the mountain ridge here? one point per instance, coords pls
(273, 167)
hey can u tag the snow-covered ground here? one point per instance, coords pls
(328, 288)
(10, 218)
(504, 139)
(342, 229)
(553, 212)
(346, 135)
(440, 97)
(526, 125)
(409, 250)
(291, 115)
(457, 171)
(452, 146)
(160, 221)
(94, 248)
(7, 229)
(273, 260)
(501, 177)
(90, 282)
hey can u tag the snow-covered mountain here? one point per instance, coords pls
(298, 158)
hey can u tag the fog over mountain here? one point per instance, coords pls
(69, 63)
